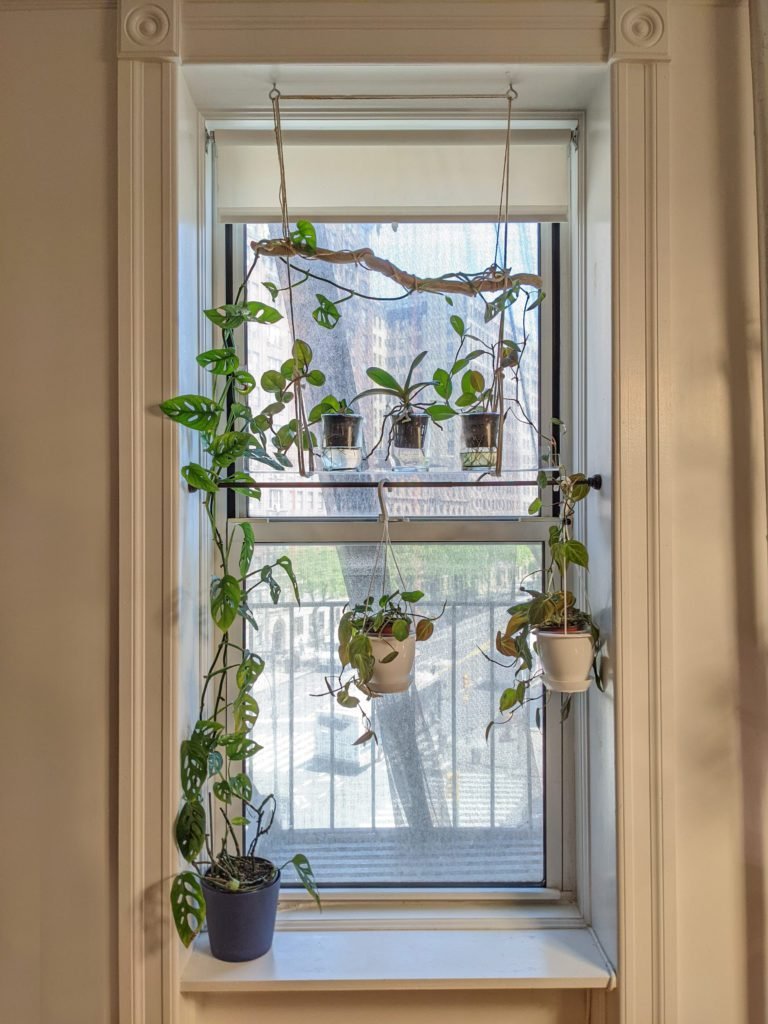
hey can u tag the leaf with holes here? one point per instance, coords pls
(327, 314)
(246, 548)
(249, 671)
(219, 361)
(222, 791)
(259, 313)
(215, 763)
(225, 600)
(238, 746)
(304, 235)
(241, 786)
(194, 411)
(206, 732)
(245, 711)
(187, 905)
(244, 484)
(190, 829)
(287, 566)
(245, 382)
(199, 478)
(229, 447)
(193, 768)
(306, 875)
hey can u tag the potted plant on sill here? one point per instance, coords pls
(225, 881)
(549, 624)
(404, 427)
(342, 430)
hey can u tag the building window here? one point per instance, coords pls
(435, 804)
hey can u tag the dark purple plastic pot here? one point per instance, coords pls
(241, 925)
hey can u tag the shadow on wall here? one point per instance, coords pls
(747, 494)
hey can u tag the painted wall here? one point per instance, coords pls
(58, 517)
(57, 288)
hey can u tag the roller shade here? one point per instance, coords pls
(382, 176)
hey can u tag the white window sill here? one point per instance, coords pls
(336, 960)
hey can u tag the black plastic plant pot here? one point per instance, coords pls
(480, 429)
(410, 432)
(341, 430)
(241, 925)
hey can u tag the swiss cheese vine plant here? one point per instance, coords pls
(213, 757)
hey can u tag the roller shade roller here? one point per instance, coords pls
(392, 176)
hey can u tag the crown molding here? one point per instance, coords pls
(396, 31)
(149, 31)
(58, 5)
(639, 31)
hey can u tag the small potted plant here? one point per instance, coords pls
(549, 624)
(405, 424)
(224, 881)
(342, 429)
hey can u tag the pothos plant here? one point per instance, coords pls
(214, 782)
(391, 617)
(553, 607)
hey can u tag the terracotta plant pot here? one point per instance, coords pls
(566, 659)
(395, 676)
(241, 925)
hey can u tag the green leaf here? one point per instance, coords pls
(271, 288)
(228, 316)
(249, 487)
(304, 235)
(458, 325)
(245, 711)
(194, 411)
(187, 905)
(225, 600)
(443, 384)
(536, 302)
(215, 763)
(412, 596)
(222, 791)
(240, 411)
(472, 382)
(199, 478)
(228, 447)
(238, 746)
(439, 413)
(239, 820)
(508, 699)
(316, 378)
(542, 479)
(193, 768)
(327, 314)
(249, 671)
(306, 876)
(346, 699)
(219, 361)
(301, 353)
(241, 786)
(259, 313)
(273, 381)
(576, 553)
(416, 362)
(534, 507)
(382, 378)
(245, 382)
(246, 549)
(206, 732)
(400, 629)
(190, 829)
(287, 566)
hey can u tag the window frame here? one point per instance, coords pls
(560, 743)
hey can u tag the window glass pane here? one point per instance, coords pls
(434, 803)
(390, 334)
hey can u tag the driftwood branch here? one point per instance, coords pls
(495, 279)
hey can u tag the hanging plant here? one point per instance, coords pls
(549, 624)
(226, 881)
(378, 636)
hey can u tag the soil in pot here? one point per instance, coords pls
(479, 439)
(241, 923)
(341, 441)
(395, 675)
(566, 659)
(409, 439)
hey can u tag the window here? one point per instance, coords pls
(434, 804)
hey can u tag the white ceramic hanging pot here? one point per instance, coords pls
(566, 660)
(395, 675)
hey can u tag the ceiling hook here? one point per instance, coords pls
(511, 93)
(274, 92)
(382, 500)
